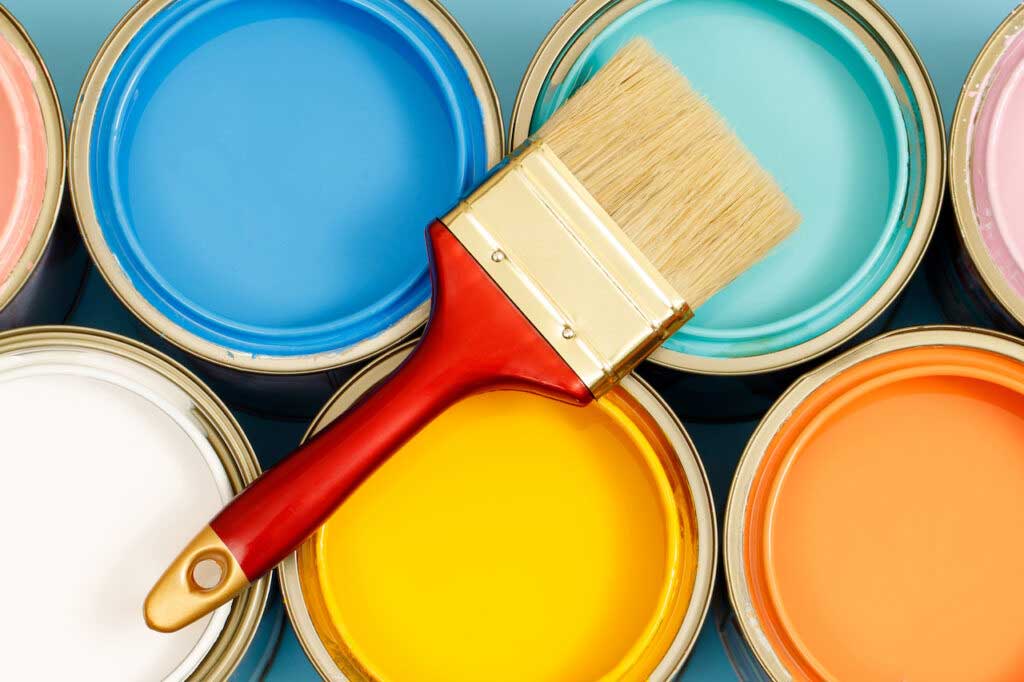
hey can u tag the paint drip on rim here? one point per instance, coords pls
(264, 170)
(997, 168)
(22, 155)
(841, 155)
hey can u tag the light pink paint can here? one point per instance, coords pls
(41, 262)
(981, 277)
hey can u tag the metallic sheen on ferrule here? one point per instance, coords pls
(566, 264)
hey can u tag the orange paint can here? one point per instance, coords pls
(873, 527)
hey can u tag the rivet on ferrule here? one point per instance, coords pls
(601, 303)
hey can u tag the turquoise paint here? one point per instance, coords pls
(814, 106)
(264, 169)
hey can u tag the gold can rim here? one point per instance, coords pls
(734, 529)
(227, 439)
(56, 159)
(690, 465)
(969, 106)
(81, 195)
(879, 32)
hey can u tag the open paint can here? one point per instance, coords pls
(871, 531)
(980, 274)
(113, 456)
(832, 99)
(514, 538)
(41, 259)
(254, 177)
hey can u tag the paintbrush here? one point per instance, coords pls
(588, 248)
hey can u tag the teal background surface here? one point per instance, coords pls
(948, 33)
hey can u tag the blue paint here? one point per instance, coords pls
(264, 169)
(814, 106)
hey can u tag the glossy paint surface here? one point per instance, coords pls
(882, 528)
(263, 170)
(515, 538)
(997, 168)
(107, 473)
(22, 155)
(812, 103)
(948, 33)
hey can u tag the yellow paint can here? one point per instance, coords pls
(515, 538)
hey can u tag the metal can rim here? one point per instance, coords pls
(56, 157)
(733, 531)
(868, 20)
(107, 265)
(960, 163)
(691, 467)
(229, 442)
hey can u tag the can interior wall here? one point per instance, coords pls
(853, 254)
(214, 261)
(32, 171)
(984, 265)
(121, 439)
(865, 525)
(647, 513)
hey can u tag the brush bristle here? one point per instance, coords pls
(671, 173)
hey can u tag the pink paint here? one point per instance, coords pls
(997, 167)
(22, 155)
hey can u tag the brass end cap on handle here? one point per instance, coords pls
(203, 577)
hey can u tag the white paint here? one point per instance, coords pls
(106, 476)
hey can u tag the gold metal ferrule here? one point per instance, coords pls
(566, 264)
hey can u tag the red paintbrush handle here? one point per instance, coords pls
(477, 340)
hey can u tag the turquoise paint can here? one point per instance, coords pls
(253, 177)
(834, 101)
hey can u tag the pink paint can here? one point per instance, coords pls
(980, 275)
(41, 261)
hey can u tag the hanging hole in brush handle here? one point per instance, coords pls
(208, 573)
(202, 578)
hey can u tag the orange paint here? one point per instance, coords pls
(884, 526)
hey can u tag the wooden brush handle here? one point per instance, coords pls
(477, 340)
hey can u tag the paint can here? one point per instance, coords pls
(113, 455)
(254, 178)
(514, 538)
(869, 207)
(41, 260)
(870, 515)
(978, 274)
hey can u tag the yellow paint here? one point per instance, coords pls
(514, 539)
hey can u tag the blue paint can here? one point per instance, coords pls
(253, 177)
